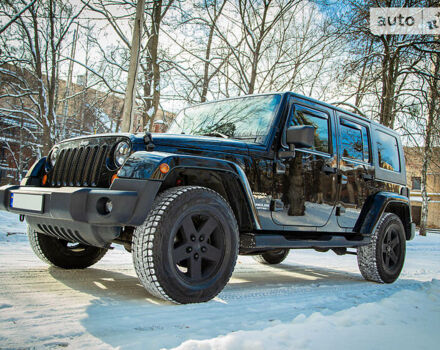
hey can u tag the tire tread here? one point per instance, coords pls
(367, 255)
(143, 236)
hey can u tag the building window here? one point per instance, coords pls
(416, 183)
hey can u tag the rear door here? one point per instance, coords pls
(356, 168)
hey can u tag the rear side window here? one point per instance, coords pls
(319, 121)
(388, 152)
(354, 141)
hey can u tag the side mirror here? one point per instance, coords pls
(302, 136)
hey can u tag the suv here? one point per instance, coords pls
(255, 175)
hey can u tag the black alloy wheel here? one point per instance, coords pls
(187, 247)
(272, 257)
(61, 253)
(198, 247)
(382, 259)
(391, 249)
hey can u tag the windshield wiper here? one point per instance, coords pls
(216, 134)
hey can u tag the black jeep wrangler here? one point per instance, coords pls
(256, 175)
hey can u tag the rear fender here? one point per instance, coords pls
(380, 203)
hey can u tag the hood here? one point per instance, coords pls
(178, 142)
(172, 143)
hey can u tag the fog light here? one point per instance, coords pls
(108, 206)
(104, 206)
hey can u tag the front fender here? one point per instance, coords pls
(375, 206)
(145, 165)
(33, 176)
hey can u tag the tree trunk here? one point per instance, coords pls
(130, 95)
(389, 78)
(433, 101)
(42, 102)
(257, 49)
(152, 75)
(205, 83)
(361, 86)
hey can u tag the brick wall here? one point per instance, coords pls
(414, 159)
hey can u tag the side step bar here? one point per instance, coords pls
(265, 241)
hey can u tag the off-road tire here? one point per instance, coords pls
(178, 215)
(372, 257)
(272, 257)
(59, 253)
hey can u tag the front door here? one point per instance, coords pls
(356, 169)
(305, 194)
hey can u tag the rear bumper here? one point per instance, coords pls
(70, 207)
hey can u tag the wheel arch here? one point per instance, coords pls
(222, 176)
(384, 202)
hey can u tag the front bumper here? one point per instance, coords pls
(79, 209)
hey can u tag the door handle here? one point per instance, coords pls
(367, 177)
(329, 170)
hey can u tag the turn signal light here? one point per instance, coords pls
(164, 168)
(44, 181)
(114, 177)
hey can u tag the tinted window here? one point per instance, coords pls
(351, 143)
(302, 117)
(248, 118)
(387, 151)
(354, 141)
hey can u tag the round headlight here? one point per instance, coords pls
(54, 155)
(122, 152)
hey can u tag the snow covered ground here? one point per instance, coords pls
(312, 301)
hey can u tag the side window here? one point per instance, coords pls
(354, 141)
(387, 152)
(351, 143)
(319, 121)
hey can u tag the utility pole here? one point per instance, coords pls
(130, 93)
(69, 82)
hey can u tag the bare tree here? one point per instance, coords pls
(432, 129)
(255, 22)
(381, 64)
(150, 60)
(32, 58)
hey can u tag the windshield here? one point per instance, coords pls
(247, 118)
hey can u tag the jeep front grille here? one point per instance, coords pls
(80, 165)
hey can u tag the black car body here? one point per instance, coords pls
(327, 196)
